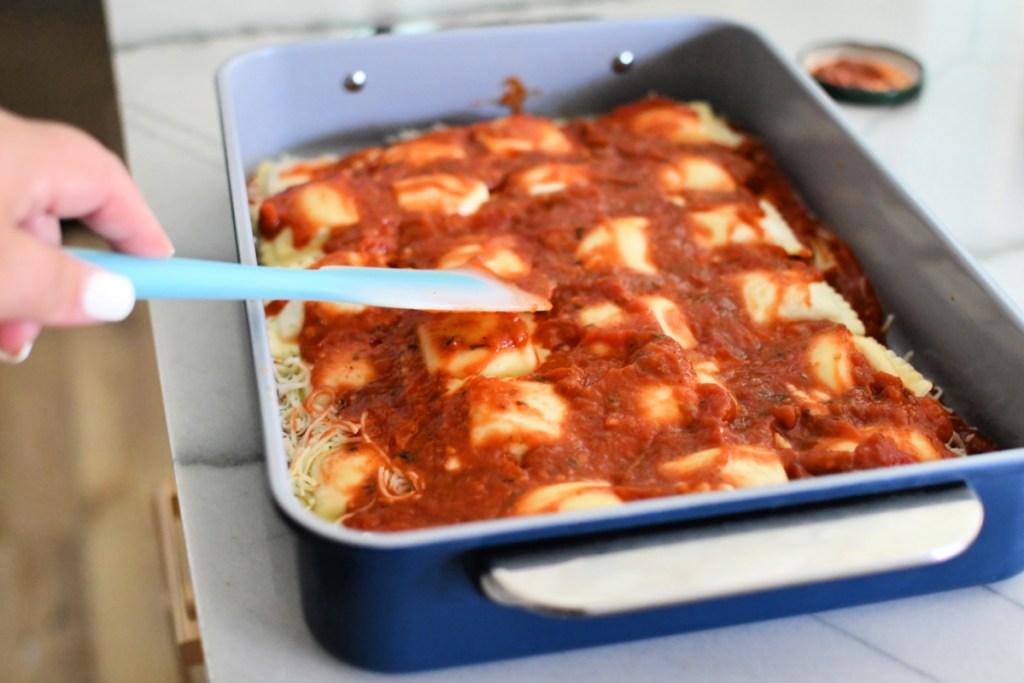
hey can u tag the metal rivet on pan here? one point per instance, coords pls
(623, 62)
(355, 81)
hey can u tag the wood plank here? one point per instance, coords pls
(83, 446)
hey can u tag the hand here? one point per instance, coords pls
(50, 171)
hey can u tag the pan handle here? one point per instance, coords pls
(720, 559)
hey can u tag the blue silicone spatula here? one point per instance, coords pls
(460, 289)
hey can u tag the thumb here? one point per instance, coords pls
(42, 284)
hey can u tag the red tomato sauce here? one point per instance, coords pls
(419, 419)
(863, 74)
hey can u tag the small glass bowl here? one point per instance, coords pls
(864, 74)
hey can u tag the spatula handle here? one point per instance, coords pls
(179, 278)
(432, 290)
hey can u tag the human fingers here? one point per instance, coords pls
(46, 228)
(51, 169)
(45, 285)
(16, 339)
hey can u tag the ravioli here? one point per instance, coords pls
(681, 123)
(567, 497)
(548, 178)
(417, 153)
(726, 467)
(830, 362)
(478, 344)
(772, 296)
(658, 403)
(514, 414)
(443, 193)
(707, 332)
(693, 172)
(731, 224)
(670, 319)
(617, 242)
(342, 475)
(601, 314)
(885, 360)
(523, 134)
(498, 255)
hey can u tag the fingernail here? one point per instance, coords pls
(108, 297)
(18, 357)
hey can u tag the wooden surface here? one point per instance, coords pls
(83, 449)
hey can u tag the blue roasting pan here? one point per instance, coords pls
(474, 592)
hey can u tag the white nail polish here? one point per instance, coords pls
(18, 357)
(108, 297)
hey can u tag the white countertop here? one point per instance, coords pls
(959, 148)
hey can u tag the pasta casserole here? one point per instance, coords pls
(707, 333)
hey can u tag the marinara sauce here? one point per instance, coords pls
(761, 393)
(863, 74)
